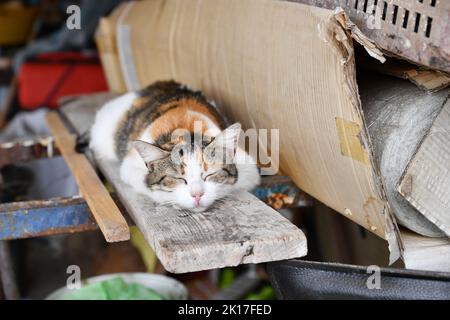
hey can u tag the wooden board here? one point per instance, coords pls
(424, 253)
(107, 215)
(429, 80)
(241, 229)
(426, 181)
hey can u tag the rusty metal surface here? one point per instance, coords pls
(25, 219)
(47, 217)
(415, 30)
(280, 192)
(27, 150)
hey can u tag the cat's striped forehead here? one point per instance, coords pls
(189, 141)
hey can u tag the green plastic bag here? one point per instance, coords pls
(113, 289)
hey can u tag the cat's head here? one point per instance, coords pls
(194, 170)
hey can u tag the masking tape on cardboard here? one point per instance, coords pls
(349, 134)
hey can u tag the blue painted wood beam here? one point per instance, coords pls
(45, 217)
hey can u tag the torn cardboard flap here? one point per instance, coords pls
(267, 66)
(372, 49)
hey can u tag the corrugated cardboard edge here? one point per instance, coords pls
(338, 38)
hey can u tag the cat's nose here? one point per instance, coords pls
(197, 191)
(197, 195)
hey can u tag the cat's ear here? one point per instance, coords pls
(222, 149)
(228, 138)
(149, 152)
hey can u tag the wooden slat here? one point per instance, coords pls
(425, 253)
(108, 216)
(240, 229)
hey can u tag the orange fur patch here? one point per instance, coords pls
(181, 118)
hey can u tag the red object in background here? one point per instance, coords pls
(48, 77)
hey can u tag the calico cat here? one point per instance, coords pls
(173, 147)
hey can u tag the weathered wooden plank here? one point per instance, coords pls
(426, 181)
(425, 253)
(108, 216)
(240, 229)
(27, 219)
(429, 80)
(80, 110)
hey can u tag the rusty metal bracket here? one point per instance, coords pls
(27, 149)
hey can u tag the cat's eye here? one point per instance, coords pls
(176, 178)
(179, 178)
(181, 152)
(171, 180)
(222, 171)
